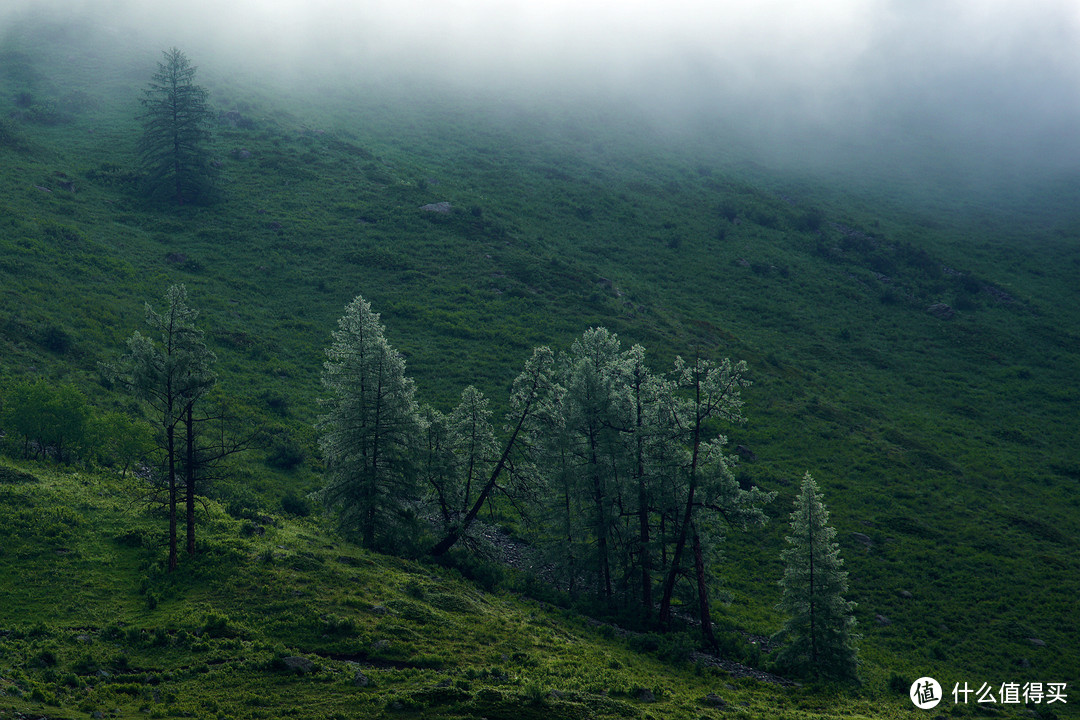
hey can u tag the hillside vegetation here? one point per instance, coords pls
(920, 362)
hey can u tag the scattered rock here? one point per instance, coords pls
(905, 594)
(439, 207)
(882, 620)
(998, 294)
(275, 225)
(1036, 642)
(43, 189)
(745, 453)
(83, 638)
(176, 258)
(300, 665)
(68, 185)
(241, 153)
(863, 538)
(379, 610)
(941, 311)
(714, 700)
(1024, 663)
(738, 670)
(646, 696)
(360, 679)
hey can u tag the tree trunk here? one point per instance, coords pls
(604, 563)
(170, 448)
(813, 610)
(190, 477)
(703, 594)
(643, 507)
(455, 533)
(646, 560)
(680, 543)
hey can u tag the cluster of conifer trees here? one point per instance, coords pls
(620, 469)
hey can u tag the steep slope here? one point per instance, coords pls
(278, 617)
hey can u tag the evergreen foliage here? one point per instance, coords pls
(170, 375)
(532, 414)
(371, 431)
(174, 147)
(819, 631)
(631, 479)
(459, 448)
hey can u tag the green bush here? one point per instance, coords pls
(293, 504)
(50, 420)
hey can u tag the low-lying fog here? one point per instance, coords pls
(963, 89)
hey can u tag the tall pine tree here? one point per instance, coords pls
(173, 149)
(372, 431)
(819, 634)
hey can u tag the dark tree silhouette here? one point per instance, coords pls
(173, 149)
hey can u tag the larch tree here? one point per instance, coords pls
(596, 410)
(170, 374)
(819, 636)
(472, 439)
(174, 146)
(514, 474)
(703, 392)
(372, 431)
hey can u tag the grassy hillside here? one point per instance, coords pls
(948, 445)
(283, 617)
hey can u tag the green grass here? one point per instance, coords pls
(91, 622)
(950, 443)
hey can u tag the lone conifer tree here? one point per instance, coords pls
(170, 375)
(173, 147)
(372, 429)
(819, 633)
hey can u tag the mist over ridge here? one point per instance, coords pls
(952, 95)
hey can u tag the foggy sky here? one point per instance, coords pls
(986, 79)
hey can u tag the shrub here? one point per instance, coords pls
(9, 136)
(293, 504)
(218, 626)
(285, 453)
